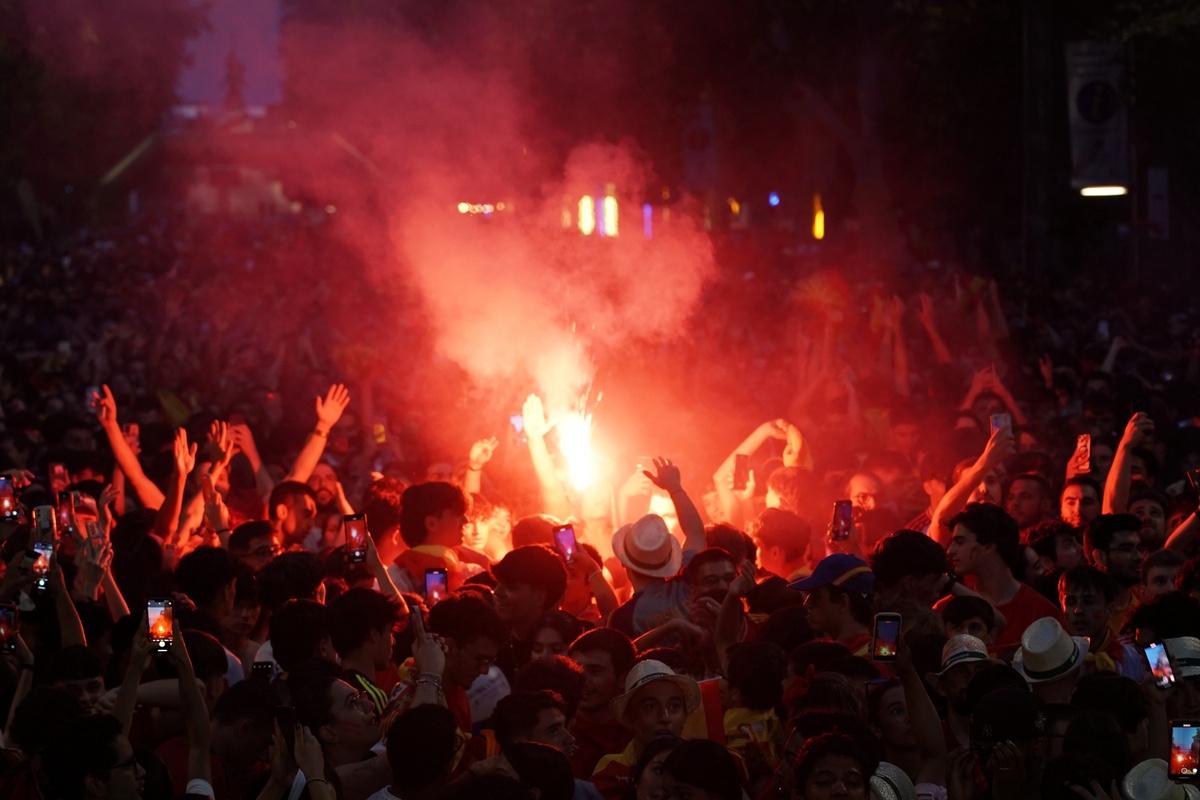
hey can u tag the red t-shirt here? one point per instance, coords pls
(593, 741)
(1027, 606)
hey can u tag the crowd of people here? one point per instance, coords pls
(933, 572)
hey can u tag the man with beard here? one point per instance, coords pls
(1029, 500)
(1113, 545)
(1079, 502)
(327, 489)
(1151, 508)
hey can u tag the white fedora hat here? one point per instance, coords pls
(1048, 652)
(649, 671)
(1149, 780)
(648, 548)
(1185, 655)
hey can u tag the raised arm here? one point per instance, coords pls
(554, 497)
(329, 411)
(1182, 537)
(690, 522)
(139, 658)
(481, 453)
(999, 447)
(928, 319)
(723, 477)
(243, 441)
(731, 619)
(893, 320)
(106, 412)
(1138, 431)
(923, 716)
(166, 522)
(195, 711)
(69, 625)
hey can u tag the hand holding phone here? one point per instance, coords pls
(8, 628)
(9, 512)
(843, 521)
(160, 614)
(565, 543)
(1160, 664)
(1001, 422)
(741, 472)
(1081, 461)
(437, 585)
(885, 639)
(356, 537)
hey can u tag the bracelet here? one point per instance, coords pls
(321, 433)
(429, 678)
(474, 469)
(219, 531)
(315, 780)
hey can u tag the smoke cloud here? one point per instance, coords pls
(519, 294)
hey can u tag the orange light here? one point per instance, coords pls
(575, 442)
(735, 207)
(587, 215)
(818, 228)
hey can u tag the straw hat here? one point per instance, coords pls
(648, 548)
(891, 783)
(1149, 780)
(1048, 652)
(1185, 654)
(647, 672)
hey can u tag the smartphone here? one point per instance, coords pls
(1102, 332)
(379, 429)
(95, 537)
(1083, 453)
(741, 472)
(288, 722)
(161, 616)
(262, 671)
(84, 504)
(1193, 476)
(90, 395)
(885, 640)
(356, 537)
(58, 478)
(843, 520)
(1001, 421)
(43, 552)
(437, 585)
(564, 541)
(66, 514)
(8, 628)
(8, 500)
(1184, 761)
(517, 421)
(1160, 664)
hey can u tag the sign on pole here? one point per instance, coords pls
(1099, 117)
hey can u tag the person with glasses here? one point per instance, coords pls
(254, 544)
(1113, 545)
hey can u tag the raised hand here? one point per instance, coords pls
(482, 452)
(744, 583)
(744, 495)
(185, 454)
(795, 443)
(108, 496)
(220, 446)
(308, 755)
(216, 513)
(774, 429)
(331, 408)
(1000, 446)
(20, 477)
(534, 416)
(1046, 368)
(925, 310)
(667, 477)
(429, 649)
(106, 407)
(1138, 430)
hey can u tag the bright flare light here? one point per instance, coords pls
(818, 218)
(1103, 191)
(610, 216)
(575, 442)
(587, 215)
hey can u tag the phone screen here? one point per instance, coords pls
(1083, 453)
(1160, 664)
(741, 471)
(437, 586)
(262, 670)
(843, 519)
(1000, 421)
(41, 565)
(564, 540)
(66, 513)
(8, 499)
(160, 615)
(8, 628)
(886, 640)
(1185, 750)
(84, 504)
(356, 537)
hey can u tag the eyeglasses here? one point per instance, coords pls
(1129, 549)
(129, 763)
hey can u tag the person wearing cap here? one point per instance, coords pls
(1009, 743)
(1050, 659)
(652, 558)
(962, 656)
(986, 545)
(1086, 595)
(839, 600)
(1184, 702)
(656, 703)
